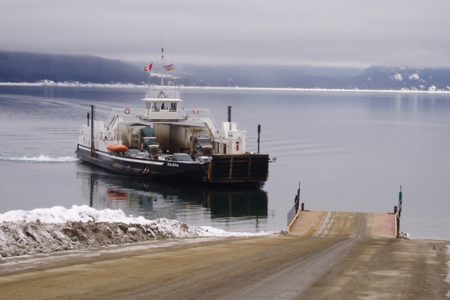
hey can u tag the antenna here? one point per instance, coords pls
(162, 64)
(149, 78)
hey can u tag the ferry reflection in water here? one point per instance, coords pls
(230, 209)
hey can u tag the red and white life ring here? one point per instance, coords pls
(127, 111)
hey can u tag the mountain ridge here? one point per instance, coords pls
(37, 67)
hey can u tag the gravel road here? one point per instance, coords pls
(354, 266)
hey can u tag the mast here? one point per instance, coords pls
(162, 63)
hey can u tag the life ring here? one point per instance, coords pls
(127, 111)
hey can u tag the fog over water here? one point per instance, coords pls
(325, 32)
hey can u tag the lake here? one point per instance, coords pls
(351, 151)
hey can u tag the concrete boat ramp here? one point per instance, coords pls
(325, 255)
(343, 224)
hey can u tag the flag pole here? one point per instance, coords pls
(162, 63)
(149, 69)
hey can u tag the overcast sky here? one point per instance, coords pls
(317, 32)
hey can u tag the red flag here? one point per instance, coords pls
(148, 68)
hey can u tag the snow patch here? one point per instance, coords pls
(81, 227)
(41, 158)
(405, 235)
(414, 76)
(398, 77)
(59, 215)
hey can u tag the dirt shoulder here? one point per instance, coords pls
(286, 266)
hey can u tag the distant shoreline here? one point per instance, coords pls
(215, 88)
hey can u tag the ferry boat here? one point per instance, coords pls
(165, 141)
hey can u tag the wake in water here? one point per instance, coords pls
(41, 158)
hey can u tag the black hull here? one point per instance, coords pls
(224, 170)
(143, 167)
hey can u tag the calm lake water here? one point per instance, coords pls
(350, 150)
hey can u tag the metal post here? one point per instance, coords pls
(91, 191)
(92, 131)
(259, 135)
(399, 211)
(297, 198)
(88, 118)
(229, 116)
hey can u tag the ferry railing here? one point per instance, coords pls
(135, 114)
(291, 214)
(126, 113)
(158, 92)
(204, 115)
(198, 112)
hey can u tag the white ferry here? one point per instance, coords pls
(165, 141)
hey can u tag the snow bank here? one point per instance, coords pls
(80, 227)
(59, 214)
